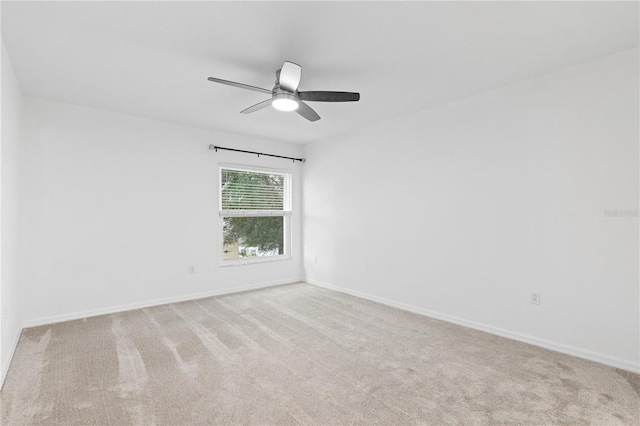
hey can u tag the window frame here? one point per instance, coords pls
(284, 214)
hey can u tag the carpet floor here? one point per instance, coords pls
(299, 354)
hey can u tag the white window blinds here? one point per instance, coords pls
(246, 192)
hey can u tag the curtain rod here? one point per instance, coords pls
(216, 148)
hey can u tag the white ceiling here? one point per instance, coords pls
(152, 59)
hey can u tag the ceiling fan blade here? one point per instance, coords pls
(324, 96)
(239, 85)
(257, 107)
(290, 76)
(307, 112)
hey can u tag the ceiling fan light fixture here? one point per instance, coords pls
(285, 103)
(285, 95)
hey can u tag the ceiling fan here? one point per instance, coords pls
(285, 95)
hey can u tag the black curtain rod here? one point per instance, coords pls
(216, 148)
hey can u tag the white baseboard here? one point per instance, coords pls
(7, 362)
(149, 303)
(622, 364)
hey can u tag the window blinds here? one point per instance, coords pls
(254, 193)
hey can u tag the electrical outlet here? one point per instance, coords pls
(192, 269)
(535, 297)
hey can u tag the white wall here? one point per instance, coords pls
(9, 154)
(117, 207)
(461, 211)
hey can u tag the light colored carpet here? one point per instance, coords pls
(298, 354)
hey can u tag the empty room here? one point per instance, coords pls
(320, 213)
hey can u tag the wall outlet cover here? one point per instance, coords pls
(535, 297)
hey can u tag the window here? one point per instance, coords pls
(255, 212)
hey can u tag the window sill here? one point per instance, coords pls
(253, 261)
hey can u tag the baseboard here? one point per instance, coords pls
(622, 364)
(147, 304)
(7, 362)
